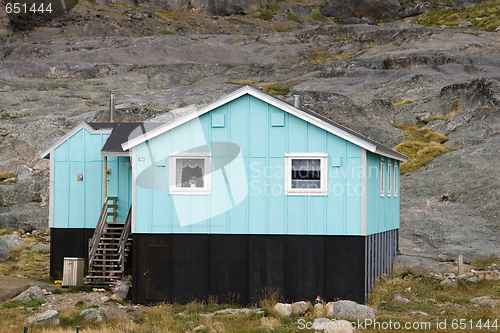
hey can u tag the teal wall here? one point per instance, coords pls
(77, 204)
(382, 213)
(248, 122)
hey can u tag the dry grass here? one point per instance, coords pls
(23, 262)
(403, 102)
(422, 146)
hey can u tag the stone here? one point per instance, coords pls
(29, 294)
(299, 308)
(40, 248)
(400, 298)
(473, 280)
(201, 328)
(450, 275)
(4, 250)
(449, 283)
(104, 299)
(418, 313)
(13, 240)
(374, 9)
(483, 300)
(245, 28)
(339, 326)
(319, 324)
(443, 26)
(465, 24)
(93, 314)
(350, 310)
(329, 309)
(218, 326)
(228, 7)
(116, 297)
(319, 310)
(121, 290)
(283, 309)
(47, 317)
(300, 11)
(497, 29)
(465, 276)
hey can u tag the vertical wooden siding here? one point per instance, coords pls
(77, 204)
(265, 210)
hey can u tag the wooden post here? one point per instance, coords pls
(105, 178)
(460, 264)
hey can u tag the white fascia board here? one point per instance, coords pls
(70, 134)
(115, 153)
(391, 155)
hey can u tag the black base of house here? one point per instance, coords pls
(66, 242)
(242, 268)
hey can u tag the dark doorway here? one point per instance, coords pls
(157, 272)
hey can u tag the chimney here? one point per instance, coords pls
(112, 107)
(296, 101)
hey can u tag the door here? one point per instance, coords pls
(157, 273)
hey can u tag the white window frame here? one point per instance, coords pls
(323, 190)
(382, 171)
(172, 186)
(389, 176)
(396, 174)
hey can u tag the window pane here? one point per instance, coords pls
(306, 173)
(189, 172)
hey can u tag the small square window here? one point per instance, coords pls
(306, 174)
(189, 174)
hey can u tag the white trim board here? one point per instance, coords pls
(70, 134)
(268, 99)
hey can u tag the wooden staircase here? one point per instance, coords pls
(109, 248)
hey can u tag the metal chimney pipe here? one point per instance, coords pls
(296, 101)
(112, 107)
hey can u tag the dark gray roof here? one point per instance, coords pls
(122, 132)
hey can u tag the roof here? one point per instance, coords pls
(305, 114)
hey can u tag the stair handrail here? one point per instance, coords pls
(94, 241)
(122, 244)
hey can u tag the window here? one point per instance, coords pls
(306, 174)
(382, 166)
(189, 174)
(389, 176)
(396, 174)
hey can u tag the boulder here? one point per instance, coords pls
(29, 294)
(299, 10)
(319, 310)
(283, 309)
(228, 7)
(465, 24)
(349, 310)
(4, 250)
(473, 280)
(449, 283)
(299, 308)
(47, 317)
(329, 309)
(465, 276)
(320, 324)
(116, 297)
(92, 314)
(400, 298)
(40, 248)
(375, 9)
(483, 300)
(339, 326)
(13, 240)
(121, 290)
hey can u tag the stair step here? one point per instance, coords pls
(107, 265)
(107, 271)
(112, 206)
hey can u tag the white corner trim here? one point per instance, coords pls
(264, 97)
(134, 168)
(51, 191)
(363, 192)
(70, 134)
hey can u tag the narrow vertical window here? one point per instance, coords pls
(396, 174)
(389, 176)
(382, 166)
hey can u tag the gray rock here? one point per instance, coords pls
(449, 283)
(29, 294)
(245, 28)
(319, 310)
(300, 11)
(40, 248)
(375, 9)
(4, 250)
(121, 290)
(93, 314)
(443, 26)
(465, 276)
(450, 275)
(283, 309)
(418, 313)
(339, 326)
(299, 308)
(47, 317)
(349, 310)
(400, 298)
(473, 280)
(228, 7)
(465, 24)
(116, 297)
(13, 240)
(483, 300)
(320, 324)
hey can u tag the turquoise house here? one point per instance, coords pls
(246, 194)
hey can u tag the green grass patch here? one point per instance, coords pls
(4, 232)
(35, 303)
(272, 6)
(276, 89)
(317, 16)
(293, 17)
(266, 15)
(283, 29)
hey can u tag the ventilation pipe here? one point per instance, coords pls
(296, 101)
(112, 107)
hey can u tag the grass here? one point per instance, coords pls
(317, 16)
(484, 16)
(403, 102)
(294, 18)
(34, 303)
(6, 175)
(23, 262)
(317, 56)
(422, 146)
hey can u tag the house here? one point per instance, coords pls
(245, 195)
